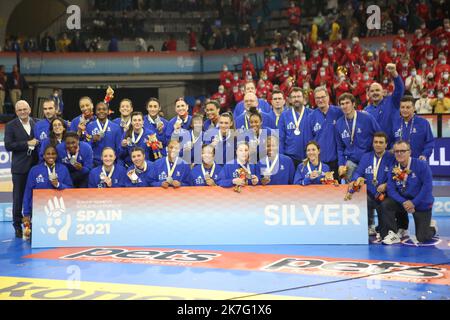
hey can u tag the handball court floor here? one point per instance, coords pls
(404, 271)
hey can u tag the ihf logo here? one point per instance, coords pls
(58, 222)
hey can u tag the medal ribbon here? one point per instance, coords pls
(270, 167)
(170, 170)
(133, 138)
(110, 173)
(376, 166)
(211, 173)
(294, 115)
(104, 128)
(353, 127)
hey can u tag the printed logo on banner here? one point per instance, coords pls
(58, 221)
(262, 262)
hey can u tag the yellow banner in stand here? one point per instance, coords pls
(12, 288)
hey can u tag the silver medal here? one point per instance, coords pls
(169, 180)
(102, 176)
(73, 160)
(297, 132)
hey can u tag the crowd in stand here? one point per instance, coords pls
(247, 27)
(422, 62)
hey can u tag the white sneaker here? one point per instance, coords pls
(391, 238)
(402, 233)
(433, 224)
(372, 231)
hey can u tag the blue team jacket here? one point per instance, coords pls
(321, 129)
(366, 126)
(419, 186)
(38, 179)
(118, 177)
(418, 133)
(302, 175)
(365, 169)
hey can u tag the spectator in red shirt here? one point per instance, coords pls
(356, 47)
(226, 77)
(303, 76)
(247, 67)
(361, 88)
(271, 66)
(341, 85)
(444, 48)
(170, 45)
(422, 10)
(314, 63)
(444, 85)
(323, 79)
(441, 67)
(222, 98)
(285, 71)
(192, 39)
(293, 14)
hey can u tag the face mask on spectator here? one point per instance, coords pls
(264, 78)
(366, 77)
(394, 54)
(443, 61)
(272, 58)
(322, 73)
(370, 69)
(427, 42)
(440, 95)
(221, 90)
(325, 64)
(430, 57)
(236, 78)
(342, 78)
(413, 73)
(285, 62)
(405, 65)
(225, 69)
(304, 73)
(330, 52)
(315, 54)
(445, 76)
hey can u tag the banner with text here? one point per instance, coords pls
(198, 216)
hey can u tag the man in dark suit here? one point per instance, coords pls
(20, 140)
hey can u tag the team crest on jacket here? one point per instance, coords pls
(345, 134)
(317, 127)
(40, 179)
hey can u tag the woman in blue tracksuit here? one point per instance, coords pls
(153, 122)
(58, 129)
(276, 168)
(206, 173)
(125, 110)
(108, 175)
(312, 169)
(77, 156)
(171, 170)
(229, 176)
(46, 175)
(136, 136)
(139, 174)
(181, 121)
(223, 139)
(256, 137)
(191, 141)
(103, 133)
